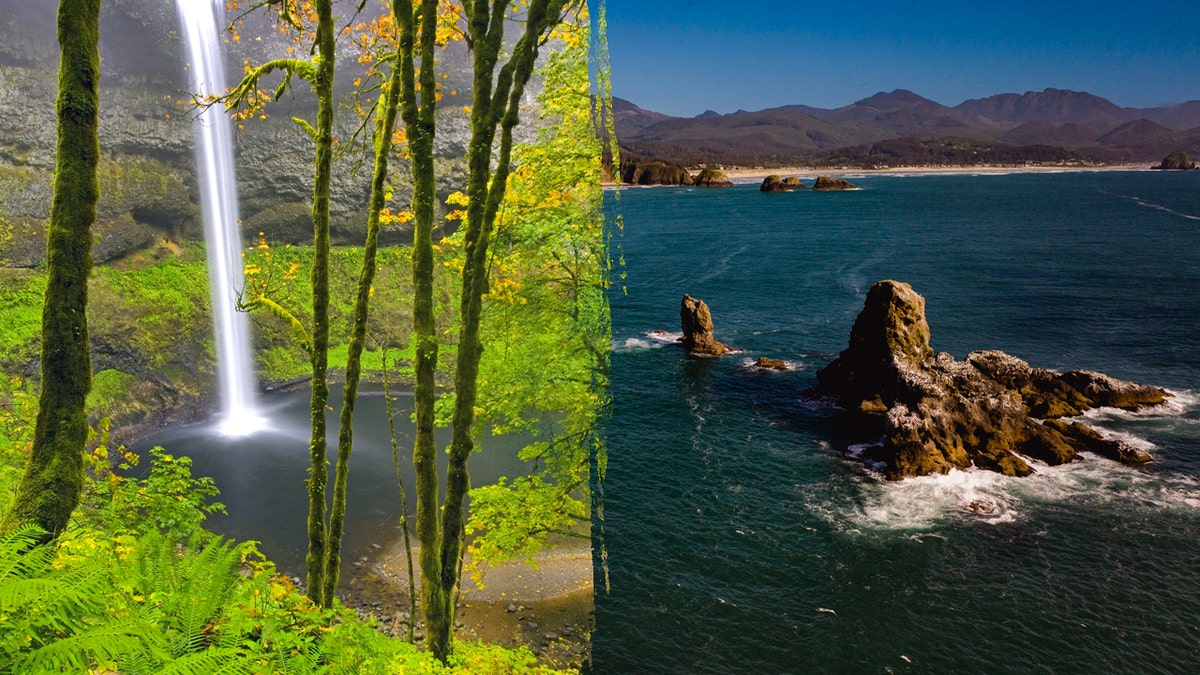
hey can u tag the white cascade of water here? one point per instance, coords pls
(202, 21)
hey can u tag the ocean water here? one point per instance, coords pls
(741, 535)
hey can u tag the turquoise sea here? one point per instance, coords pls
(741, 538)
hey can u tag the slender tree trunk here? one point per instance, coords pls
(317, 535)
(493, 107)
(385, 123)
(49, 488)
(419, 122)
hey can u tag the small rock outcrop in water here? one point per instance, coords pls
(825, 183)
(711, 178)
(697, 325)
(654, 172)
(770, 364)
(938, 414)
(1176, 161)
(774, 183)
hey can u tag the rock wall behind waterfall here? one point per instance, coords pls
(148, 184)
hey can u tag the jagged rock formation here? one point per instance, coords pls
(654, 172)
(774, 183)
(1176, 161)
(697, 325)
(826, 183)
(938, 414)
(711, 178)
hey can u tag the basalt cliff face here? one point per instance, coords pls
(147, 175)
(992, 410)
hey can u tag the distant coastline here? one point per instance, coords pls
(808, 172)
(746, 175)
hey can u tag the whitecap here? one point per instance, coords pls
(751, 363)
(636, 345)
(924, 504)
(663, 337)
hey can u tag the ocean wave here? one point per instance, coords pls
(663, 336)
(1160, 207)
(869, 504)
(1151, 205)
(636, 345)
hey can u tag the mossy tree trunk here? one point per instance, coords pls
(385, 122)
(49, 488)
(419, 122)
(318, 474)
(495, 106)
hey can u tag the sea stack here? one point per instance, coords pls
(992, 410)
(697, 325)
(1176, 161)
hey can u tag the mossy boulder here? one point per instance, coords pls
(937, 413)
(711, 178)
(1177, 161)
(825, 183)
(774, 183)
(654, 172)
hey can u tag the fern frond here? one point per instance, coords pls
(20, 552)
(76, 653)
(219, 661)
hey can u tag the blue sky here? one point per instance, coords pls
(682, 57)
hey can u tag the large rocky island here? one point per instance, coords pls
(992, 410)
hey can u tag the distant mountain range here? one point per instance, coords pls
(901, 127)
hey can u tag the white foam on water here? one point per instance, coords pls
(872, 504)
(636, 345)
(663, 337)
(750, 363)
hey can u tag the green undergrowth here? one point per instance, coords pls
(136, 585)
(151, 327)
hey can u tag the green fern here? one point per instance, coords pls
(190, 585)
(62, 619)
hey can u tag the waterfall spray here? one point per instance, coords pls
(201, 21)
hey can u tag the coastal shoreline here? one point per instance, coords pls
(804, 172)
(742, 176)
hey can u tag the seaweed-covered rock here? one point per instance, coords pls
(825, 183)
(711, 178)
(938, 414)
(697, 325)
(774, 183)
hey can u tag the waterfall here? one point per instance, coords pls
(202, 21)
